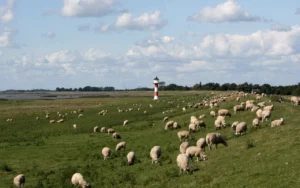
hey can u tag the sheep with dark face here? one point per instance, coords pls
(215, 138)
(19, 181)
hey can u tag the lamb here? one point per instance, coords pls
(234, 124)
(224, 112)
(295, 100)
(215, 138)
(106, 152)
(183, 134)
(80, 115)
(212, 113)
(165, 119)
(155, 153)
(120, 145)
(19, 180)
(103, 129)
(130, 158)
(255, 122)
(110, 130)
(169, 124)
(277, 122)
(96, 129)
(183, 163)
(77, 179)
(201, 143)
(116, 135)
(195, 151)
(125, 122)
(241, 128)
(183, 146)
(265, 115)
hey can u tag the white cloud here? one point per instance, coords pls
(49, 34)
(229, 11)
(146, 21)
(87, 8)
(94, 54)
(6, 38)
(6, 12)
(281, 27)
(64, 56)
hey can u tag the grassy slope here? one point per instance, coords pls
(49, 154)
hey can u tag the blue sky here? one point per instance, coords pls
(126, 43)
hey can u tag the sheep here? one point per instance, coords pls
(261, 104)
(52, 121)
(254, 108)
(201, 143)
(110, 130)
(200, 123)
(212, 113)
(116, 135)
(234, 124)
(183, 134)
(37, 118)
(169, 124)
(265, 115)
(103, 129)
(183, 109)
(183, 146)
(270, 107)
(175, 125)
(224, 112)
(219, 122)
(19, 180)
(259, 113)
(47, 116)
(201, 116)
(195, 151)
(165, 119)
(249, 106)
(80, 115)
(130, 158)
(255, 122)
(215, 138)
(295, 100)
(277, 122)
(192, 127)
(96, 129)
(183, 163)
(120, 145)
(106, 152)
(125, 122)
(60, 121)
(193, 119)
(77, 179)
(240, 107)
(74, 126)
(241, 128)
(155, 153)
(238, 99)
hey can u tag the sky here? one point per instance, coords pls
(127, 43)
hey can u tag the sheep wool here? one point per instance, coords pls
(183, 146)
(183, 163)
(106, 151)
(120, 145)
(131, 158)
(215, 138)
(201, 143)
(155, 153)
(77, 179)
(19, 181)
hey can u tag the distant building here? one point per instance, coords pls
(256, 91)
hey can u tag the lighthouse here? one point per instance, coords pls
(155, 81)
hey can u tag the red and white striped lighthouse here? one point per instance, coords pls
(155, 81)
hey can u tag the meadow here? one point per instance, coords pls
(49, 154)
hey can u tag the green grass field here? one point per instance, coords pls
(48, 154)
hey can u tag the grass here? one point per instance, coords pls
(48, 154)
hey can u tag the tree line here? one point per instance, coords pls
(87, 88)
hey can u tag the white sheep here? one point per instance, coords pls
(110, 130)
(175, 125)
(192, 127)
(74, 126)
(201, 143)
(183, 146)
(240, 107)
(165, 119)
(241, 128)
(195, 151)
(103, 129)
(155, 153)
(259, 113)
(183, 163)
(200, 124)
(220, 122)
(60, 121)
(130, 158)
(184, 134)
(277, 122)
(169, 124)
(77, 179)
(96, 129)
(80, 115)
(125, 122)
(234, 124)
(270, 107)
(19, 181)
(193, 119)
(261, 104)
(224, 112)
(295, 100)
(120, 145)
(212, 113)
(265, 115)
(254, 108)
(106, 152)
(201, 116)
(215, 138)
(52, 121)
(255, 122)
(116, 135)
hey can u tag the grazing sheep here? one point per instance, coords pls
(193, 119)
(261, 104)
(52, 121)
(37, 118)
(155, 153)
(265, 115)
(270, 107)
(103, 129)
(201, 143)
(120, 145)
(125, 122)
(165, 119)
(212, 114)
(224, 112)
(184, 134)
(220, 122)
(74, 126)
(249, 106)
(183, 146)
(240, 107)
(215, 138)
(201, 116)
(77, 179)
(116, 135)
(110, 130)
(9, 120)
(106, 151)
(234, 124)
(60, 121)
(169, 124)
(183, 109)
(80, 115)
(195, 151)
(183, 163)
(130, 158)
(96, 129)
(241, 128)
(238, 99)
(255, 122)
(200, 123)
(19, 180)
(295, 100)
(175, 125)
(277, 122)
(192, 127)
(259, 113)
(254, 108)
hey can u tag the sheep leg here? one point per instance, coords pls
(216, 146)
